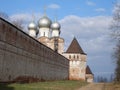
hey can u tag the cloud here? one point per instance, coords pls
(92, 34)
(54, 6)
(100, 10)
(90, 3)
(86, 27)
(26, 18)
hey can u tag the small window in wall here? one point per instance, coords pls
(69, 56)
(44, 33)
(77, 57)
(74, 56)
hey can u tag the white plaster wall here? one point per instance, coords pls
(44, 32)
(32, 33)
(55, 33)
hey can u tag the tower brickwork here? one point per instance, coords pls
(77, 61)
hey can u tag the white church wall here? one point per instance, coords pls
(55, 33)
(44, 32)
(32, 33)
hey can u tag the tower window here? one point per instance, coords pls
(77, 57)
(74, 56)
(44, 33)
(69, 56)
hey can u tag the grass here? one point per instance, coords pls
(54, 85)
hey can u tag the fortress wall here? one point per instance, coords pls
(23, 56)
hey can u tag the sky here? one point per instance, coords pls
(87, 20)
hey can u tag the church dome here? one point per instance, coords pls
(32, 25)
(44, 22)
(55, 26)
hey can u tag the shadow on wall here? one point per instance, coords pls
(4, 86)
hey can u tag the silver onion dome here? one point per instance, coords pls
(44, 22)
(55, 26)
(32, 25)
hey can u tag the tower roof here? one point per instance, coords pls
(75, 47)
(88, 71)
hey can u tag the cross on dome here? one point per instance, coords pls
(45, 9)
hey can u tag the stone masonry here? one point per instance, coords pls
(24, 56)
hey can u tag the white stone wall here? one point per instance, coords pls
(77, 66)
(89, 78)
(32, 33)
(22, 55)
(55, 33)
(44, 32)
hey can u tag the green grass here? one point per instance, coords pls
(54, 85)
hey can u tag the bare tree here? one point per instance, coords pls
(101, 79)
(115, 27)
(18, 23)
(4, 15)
(117, 58)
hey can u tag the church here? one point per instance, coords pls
(48, 33)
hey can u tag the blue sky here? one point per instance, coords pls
(87, 20)
(64, 7)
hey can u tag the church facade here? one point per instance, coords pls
(48, 33)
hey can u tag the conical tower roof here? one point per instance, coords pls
(88, 71)
(75, 47)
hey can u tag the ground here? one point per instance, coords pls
(101, 86)
(60, 85)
